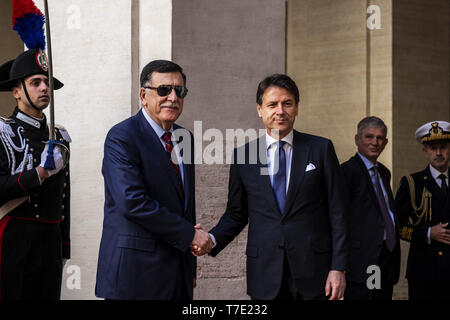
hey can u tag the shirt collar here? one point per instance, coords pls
(436, 173)
(369, 164)
(289, 138)
(159, 131)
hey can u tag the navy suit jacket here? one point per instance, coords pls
(366, 222)
(148, 219)
(312, 230)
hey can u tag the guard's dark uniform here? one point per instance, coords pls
(35, 235)
(428, 264)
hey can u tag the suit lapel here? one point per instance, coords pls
(189, 173)
(187, 176)
(387, 187)
(147, 133)
(300, 154)
(369, 182)
(434, 188)
(447, 202)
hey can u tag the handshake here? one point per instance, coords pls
(202, 243)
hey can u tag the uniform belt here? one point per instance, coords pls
(39, 220)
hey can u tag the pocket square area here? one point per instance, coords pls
(310, 167)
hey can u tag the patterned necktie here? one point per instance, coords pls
(167, 137)
(390, 228)
(444, 186)
(279, 178)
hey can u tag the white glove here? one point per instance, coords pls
(57, 156)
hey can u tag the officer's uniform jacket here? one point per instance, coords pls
(431, 206)
(22, 143)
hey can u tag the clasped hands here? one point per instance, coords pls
(202, 243)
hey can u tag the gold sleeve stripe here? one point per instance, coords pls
(406, 233)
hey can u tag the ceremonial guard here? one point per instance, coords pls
(424, 208)
(34, 174)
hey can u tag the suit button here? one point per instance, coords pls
(63, 217)
(65, 184)
(440, 253)
(37, 216)
(62, 207)
(64, 195)
(31, 150)
(36, 205)
(67, 173)
(35, 160)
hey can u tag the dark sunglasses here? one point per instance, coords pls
(165, 89)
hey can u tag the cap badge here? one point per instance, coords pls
(41, 60)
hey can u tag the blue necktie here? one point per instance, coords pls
(279, 178)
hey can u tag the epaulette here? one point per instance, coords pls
(63, 132)
(6, 120)
(60, 127)
(5, 126)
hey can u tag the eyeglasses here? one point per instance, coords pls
(165, 89)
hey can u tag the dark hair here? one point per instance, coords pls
(277, 80)
(371, 121)
(162, 66)
(16, 84)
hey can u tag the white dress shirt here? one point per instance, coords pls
(272, 145)
(436, 173)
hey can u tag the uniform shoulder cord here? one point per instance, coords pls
(424, 210)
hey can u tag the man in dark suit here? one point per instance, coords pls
(423, 202)
(297, 236)
(149, 215)
(373, 219)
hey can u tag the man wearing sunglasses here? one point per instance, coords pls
(149, 215)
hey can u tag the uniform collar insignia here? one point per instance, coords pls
(29, 120)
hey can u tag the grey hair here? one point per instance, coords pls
(371, 121)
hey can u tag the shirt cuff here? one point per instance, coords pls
(213, 240)
(429, 235)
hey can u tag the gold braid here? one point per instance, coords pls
(424, 211)
(421, 212)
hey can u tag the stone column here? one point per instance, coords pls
(92, 51)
